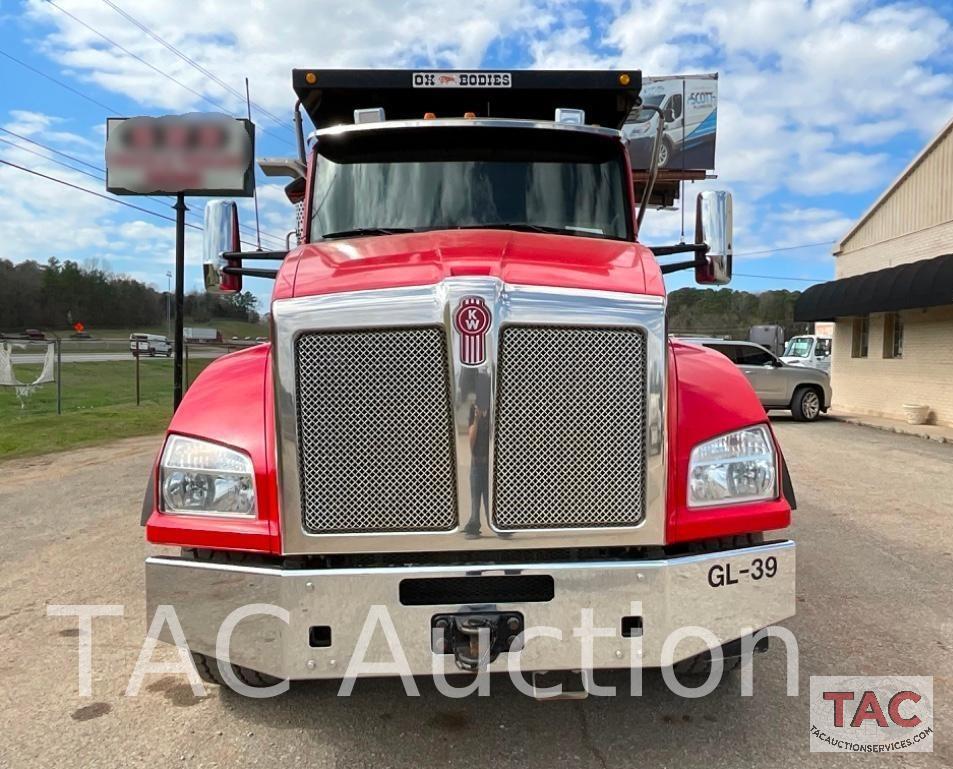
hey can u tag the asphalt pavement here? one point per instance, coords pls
(875, 566)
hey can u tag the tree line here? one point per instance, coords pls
(57, 295)
(730, 313)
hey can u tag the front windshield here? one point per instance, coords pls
(644, 115)
(798, 347)
(449, 178)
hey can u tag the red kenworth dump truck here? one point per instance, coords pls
(470, 439)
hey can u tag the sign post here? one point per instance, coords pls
(180, 155)
(177, 385)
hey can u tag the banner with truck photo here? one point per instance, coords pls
(689, 105)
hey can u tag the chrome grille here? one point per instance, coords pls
(375, 431)
(570, 428)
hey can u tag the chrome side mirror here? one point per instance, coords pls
(713, 228)
(221, 236)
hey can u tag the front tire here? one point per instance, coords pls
(698, 668)
(664, 153)
(806, 404)
(207, 668)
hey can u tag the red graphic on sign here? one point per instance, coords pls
(78, 327)
(447, 79)
(472, 320)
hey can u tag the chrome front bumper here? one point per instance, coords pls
(728, 593)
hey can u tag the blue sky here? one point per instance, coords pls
(822, 102)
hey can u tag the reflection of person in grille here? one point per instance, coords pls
(479, 439)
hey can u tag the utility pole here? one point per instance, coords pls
(165, 144)
(180, 209)
(168, 302)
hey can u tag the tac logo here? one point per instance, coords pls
(871, 714)
(472, 321)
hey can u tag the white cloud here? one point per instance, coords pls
(43, 219)
(793, 73)
(811, 92)
(265, 41)
(795, 226)
(826, 172)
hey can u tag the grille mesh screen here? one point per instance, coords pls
(375, 443)
(570, 428)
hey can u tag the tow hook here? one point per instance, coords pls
(476, 640)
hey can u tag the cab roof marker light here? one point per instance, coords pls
(570, 116)
(369, 115)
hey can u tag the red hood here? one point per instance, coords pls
(424, 258)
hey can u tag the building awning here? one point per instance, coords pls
(927, 283)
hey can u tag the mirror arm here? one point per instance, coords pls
(699, 249)
(680, 248)
(243, 255)
(250, 272)
(678, 266)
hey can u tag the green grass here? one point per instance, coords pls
(99, 405)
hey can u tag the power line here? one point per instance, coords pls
(21, 137)
(103, 196)
(211, 75)
(159, 70)
(93, 192)
(53, 160)
(246, 229)
(786, 248)
(781, 277)
(61, 84)
(137, 57)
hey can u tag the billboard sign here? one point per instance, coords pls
(690, 107)
(197, 154)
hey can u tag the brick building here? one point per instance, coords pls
(892, 299)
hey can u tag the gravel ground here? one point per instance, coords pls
(875, 566)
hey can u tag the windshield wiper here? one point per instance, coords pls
(361, 232)
(526, 227)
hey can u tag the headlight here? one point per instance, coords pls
(737, 467)
(201, 478)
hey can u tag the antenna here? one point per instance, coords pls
(255, 190)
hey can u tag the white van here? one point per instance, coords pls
(149, 344)
(809, 350)
(690, 106)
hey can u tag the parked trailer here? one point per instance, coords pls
(769, 337)
(202, 334)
